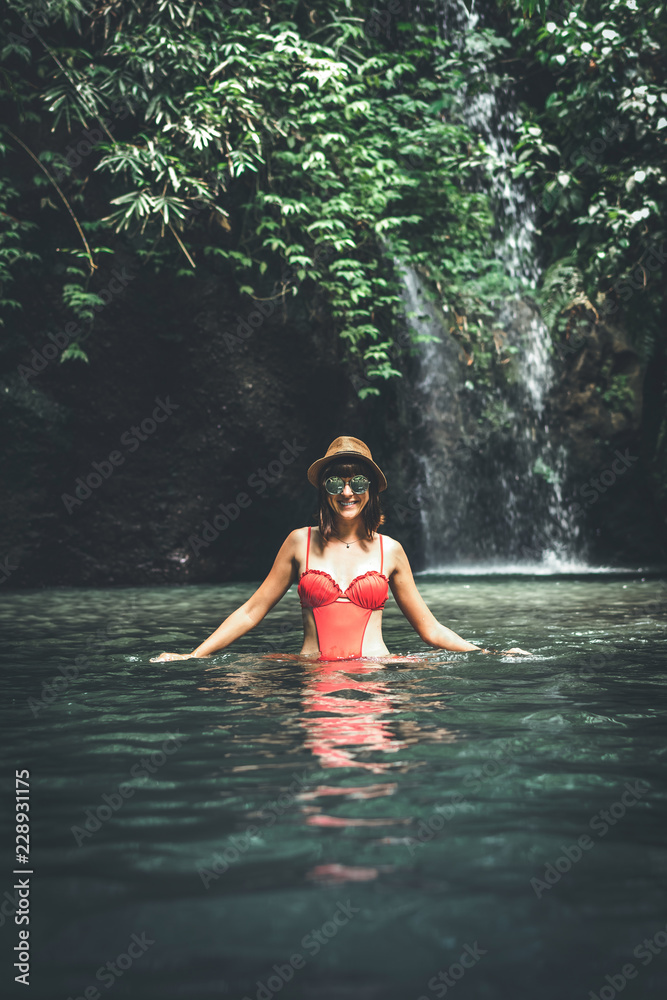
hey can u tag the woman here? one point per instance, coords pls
(341, 589)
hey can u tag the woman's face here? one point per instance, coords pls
(348, 505)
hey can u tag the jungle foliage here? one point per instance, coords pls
(305, 148)
(593, 148)
(298, 147)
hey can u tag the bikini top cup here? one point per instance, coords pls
(317, 588)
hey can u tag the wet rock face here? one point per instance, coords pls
(179, 454)
(590, 362)
(598, 396)
(598, 412)
(546, 463)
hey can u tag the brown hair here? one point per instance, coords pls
(371, 514)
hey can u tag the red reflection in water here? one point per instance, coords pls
(335, 873)
(351, 792)
(335, 821)
(347, 710)
(348, 722)
(339, 726)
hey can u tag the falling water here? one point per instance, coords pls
(493, 499)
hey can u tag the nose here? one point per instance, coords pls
(347, 491)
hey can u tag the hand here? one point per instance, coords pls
(171, 656)
(515, 651)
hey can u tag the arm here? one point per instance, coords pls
(415, 609)
(274, 587)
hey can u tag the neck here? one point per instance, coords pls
(348, 529)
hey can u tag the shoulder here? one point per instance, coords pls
(394, 551)
(294, 546)
(301, 534)
(297, 538)
(390, 545)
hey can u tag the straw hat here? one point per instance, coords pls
(346, 447)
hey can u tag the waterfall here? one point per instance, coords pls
(489, 497)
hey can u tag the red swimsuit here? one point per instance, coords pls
(341, 617)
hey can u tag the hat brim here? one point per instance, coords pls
(314, 470)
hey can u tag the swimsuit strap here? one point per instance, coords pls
(307, 548)
(381, 555)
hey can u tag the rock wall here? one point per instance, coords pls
(609, 455)
(188, 435)
(111, 470)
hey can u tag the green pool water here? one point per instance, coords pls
(248, 826)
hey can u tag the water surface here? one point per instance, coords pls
(318, 831)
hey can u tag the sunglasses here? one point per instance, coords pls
(335, 485)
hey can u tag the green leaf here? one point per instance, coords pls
(74, 352)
